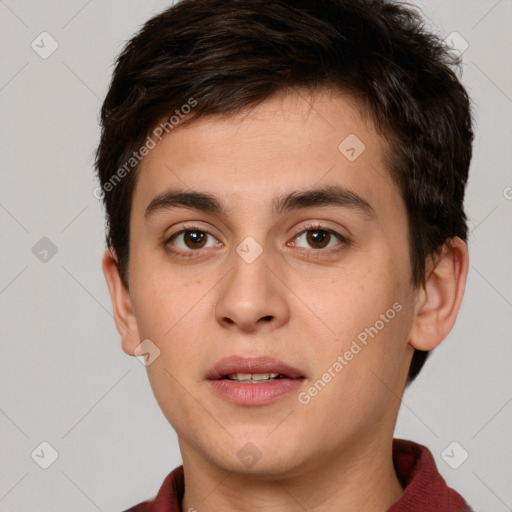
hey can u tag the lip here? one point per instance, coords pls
(239, 364)
(252, 394)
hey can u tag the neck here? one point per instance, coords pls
(360, 476)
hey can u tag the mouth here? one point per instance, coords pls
(253, 380)
(253, 369)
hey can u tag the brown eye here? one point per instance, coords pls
(190, 240)
(194, 239)
(318, 239)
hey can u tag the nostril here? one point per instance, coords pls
(267, 318)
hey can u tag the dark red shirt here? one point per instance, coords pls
(425, 489)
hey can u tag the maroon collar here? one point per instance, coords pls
(425, 489)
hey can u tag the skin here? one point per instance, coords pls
(295, 302)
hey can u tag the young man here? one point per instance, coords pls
(284, 187)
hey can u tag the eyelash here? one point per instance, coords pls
(313, 227)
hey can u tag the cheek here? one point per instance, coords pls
(372, 325)
(359, 303)
(163, 301)
(359, 394)
(173, 398)
(171, 309)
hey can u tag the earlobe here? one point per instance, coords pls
(121, 303)
(440, 297)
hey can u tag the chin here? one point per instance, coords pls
(258, 456)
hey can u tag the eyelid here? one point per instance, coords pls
(183, 229)
(318, 226)
(189, 226)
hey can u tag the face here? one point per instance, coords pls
(299, 254)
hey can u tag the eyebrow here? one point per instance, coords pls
(329, 195)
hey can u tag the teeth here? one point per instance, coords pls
(252, 376)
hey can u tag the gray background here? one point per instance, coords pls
(63, 376)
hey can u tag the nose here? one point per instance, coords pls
(252, 297)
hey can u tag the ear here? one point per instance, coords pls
(440, 296)
(121, 303)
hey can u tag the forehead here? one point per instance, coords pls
(290, 141)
